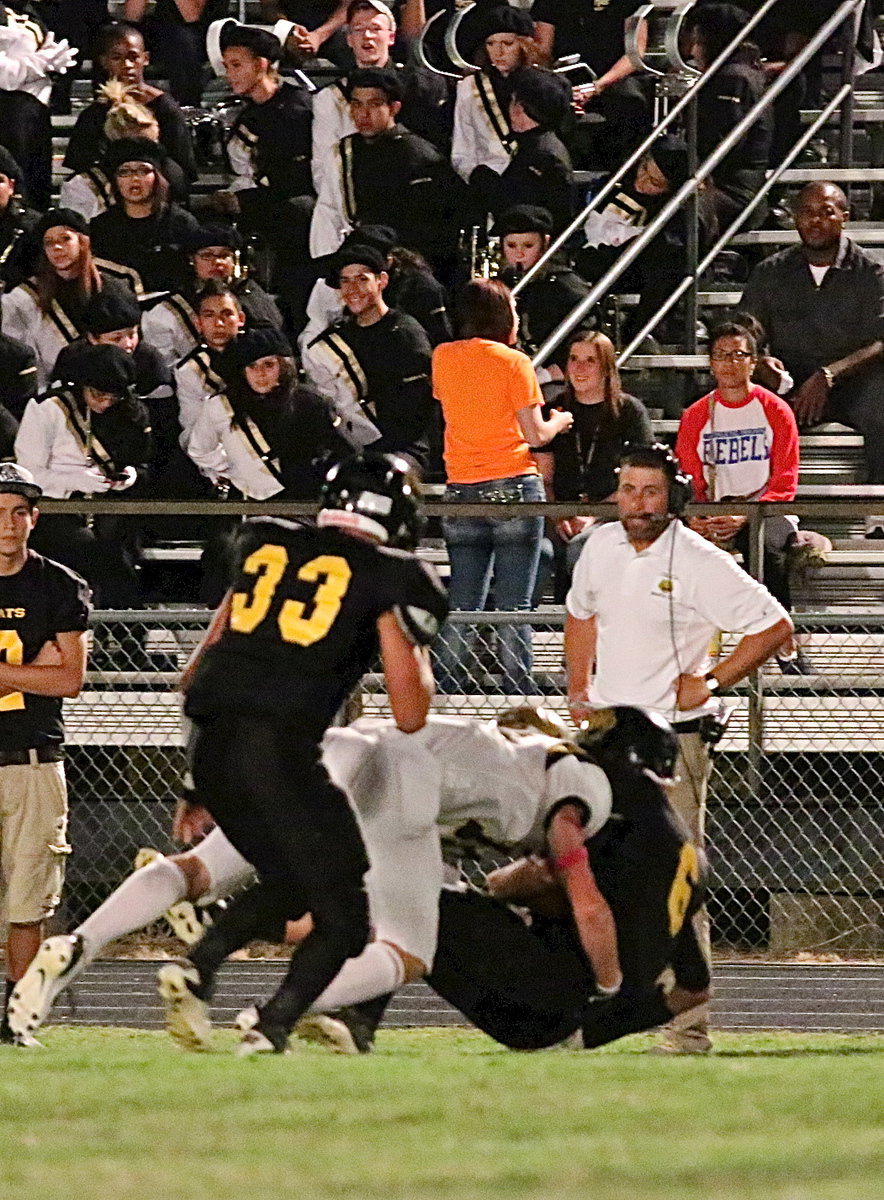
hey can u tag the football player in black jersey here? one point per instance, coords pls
(309, 610)
(44, 610)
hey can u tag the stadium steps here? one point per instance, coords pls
(846, 997)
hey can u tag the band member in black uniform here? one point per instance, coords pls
(141, 239)
(374, 363)
(16, 221)
(112, 318)
(540, 170)
(45, 311)
(384, 175)
(45, 611)
(306, 615)
(216, 253)
(220, 319)
(91, 436)
(542, 304)
(413, 288)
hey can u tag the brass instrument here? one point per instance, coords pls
(480, 252)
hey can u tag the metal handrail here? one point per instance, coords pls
(635, 247)
(734, 227)
(676, 110)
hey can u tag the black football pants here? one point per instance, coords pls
(266, 787)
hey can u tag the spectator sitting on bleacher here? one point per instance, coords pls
(46, 311)
(120, 53)
(483, 134)
(90, 192)
(412, 288)
(821, 304)
(112, 317)
(90, 437)
(628, 210)
(176, 33)
(215, 252)
(220, 319)
(545, 301)
(737, 87)
(740, 442)
(374, 364)
(16, 221)
(371, 31)
(269, 154)
(29, 57)
(141, 239)
(540, 169)
(384, 175)
(264, 435)
(581, 462)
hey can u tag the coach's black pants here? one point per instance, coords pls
(268, 790)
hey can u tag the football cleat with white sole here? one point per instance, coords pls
(258, 1039)
(338, 1032)
(55, 966)
(182, 918)
(187, 1016)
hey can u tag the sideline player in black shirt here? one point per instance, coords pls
(44, 610)
(305, 618)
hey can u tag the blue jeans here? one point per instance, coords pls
(478, 547)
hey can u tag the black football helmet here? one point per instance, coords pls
(643, 742)
(374, 493)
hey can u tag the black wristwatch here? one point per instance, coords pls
(713, 684)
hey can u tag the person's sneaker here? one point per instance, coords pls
(343, 1031)
(875, 527)
(55, 966)
(689, 1040)
(182, 918)
(187, 1016)
(258, 1038)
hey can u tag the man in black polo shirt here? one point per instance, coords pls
(821, 304)
(44, 610)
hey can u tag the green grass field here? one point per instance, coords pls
(114, 1115)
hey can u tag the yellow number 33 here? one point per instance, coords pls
(269, 564)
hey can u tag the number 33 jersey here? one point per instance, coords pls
(303, 621)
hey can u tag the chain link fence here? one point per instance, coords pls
(796, 806)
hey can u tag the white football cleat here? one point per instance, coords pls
(56, 964)
(182, 918)
(187, 1016)
(255, 1040)
(324, 1030)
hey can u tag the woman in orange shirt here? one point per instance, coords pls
(491, 403)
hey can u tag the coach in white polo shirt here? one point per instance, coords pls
(646, 599)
